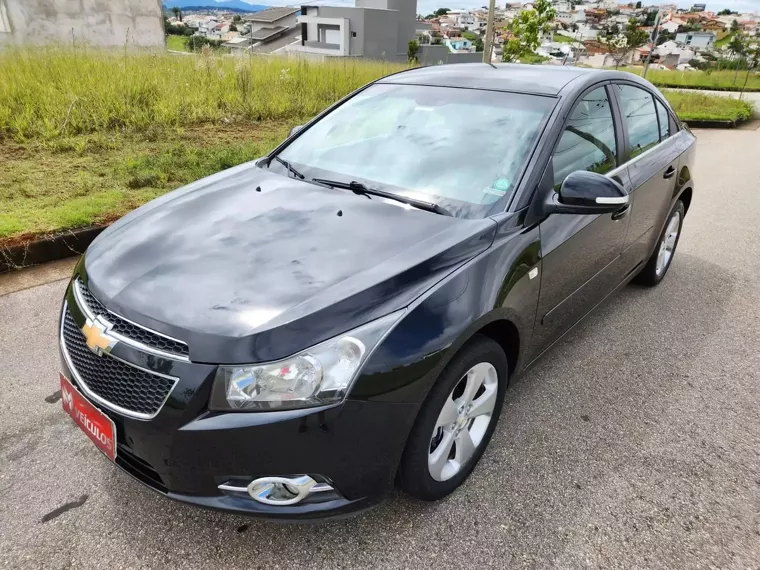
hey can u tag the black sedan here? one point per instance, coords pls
(291, 337)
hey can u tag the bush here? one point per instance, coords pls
(197, 43)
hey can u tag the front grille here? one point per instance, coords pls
(130, 330)
(112, 380)
(139, 468)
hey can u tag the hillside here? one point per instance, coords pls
(231, 5)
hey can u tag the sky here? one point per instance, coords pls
(428, 6)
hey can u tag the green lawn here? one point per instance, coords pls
(86, 136)
(78, 181)
(701, 107)
(176, 43)
(563, 39)
(724, 41)
(716, 80)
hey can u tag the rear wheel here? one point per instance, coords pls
(661, 258)
(456, 421)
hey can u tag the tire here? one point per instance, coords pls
(480, 357)
(653, 272)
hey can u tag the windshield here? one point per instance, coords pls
(463, 149)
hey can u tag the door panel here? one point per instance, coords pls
(653, 167)
(580, 253)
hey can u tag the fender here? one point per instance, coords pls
(438, 324)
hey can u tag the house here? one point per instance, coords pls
(672, 48)
(375, 29)
(713, 26)
(696, 39)
(271, 23)
(459, 44)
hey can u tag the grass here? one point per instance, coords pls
(563, 39)
(176, 43)
(86, 136)
(51, 93)
(715, 80)
(47, 186)
(701, 107)
(724, 41)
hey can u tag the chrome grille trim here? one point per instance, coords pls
(85, 307)
(82, 385)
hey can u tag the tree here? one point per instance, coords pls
(177, 13)
(738, 47)
(527, 29)
(620, 45)
(726, 12)
(237, 18)
(638, 5)
(479, 44)
(734, 26)
(413, 47)
(233, 27)
(442, 11)
(753, 60)
(665, 36)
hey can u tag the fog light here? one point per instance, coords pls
(282, 491)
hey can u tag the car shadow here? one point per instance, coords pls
(578, 438)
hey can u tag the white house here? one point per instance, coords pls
(696, 39)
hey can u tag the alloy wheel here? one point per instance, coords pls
(668, 244)
(463, 421)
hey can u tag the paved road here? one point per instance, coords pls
(634, 444)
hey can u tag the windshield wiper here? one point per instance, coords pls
(359, 188)
(287, 165)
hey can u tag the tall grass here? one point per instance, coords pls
(55, 92)
(691, 106)
(717, 80)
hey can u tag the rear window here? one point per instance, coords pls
(663, 118)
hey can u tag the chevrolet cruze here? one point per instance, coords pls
(291, 337)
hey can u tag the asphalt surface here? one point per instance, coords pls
(635, 443)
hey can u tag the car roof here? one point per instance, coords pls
(536, 79)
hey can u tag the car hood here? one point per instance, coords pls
(250, 266)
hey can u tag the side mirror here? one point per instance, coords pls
(295, 129)
(585, 192)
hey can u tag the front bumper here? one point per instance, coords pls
(186, 451)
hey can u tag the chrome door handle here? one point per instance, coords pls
(669, 172)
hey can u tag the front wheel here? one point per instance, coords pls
(456, 421)
(661, 258)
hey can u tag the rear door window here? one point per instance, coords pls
(640, 116)
(662, 117)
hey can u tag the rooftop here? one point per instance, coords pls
(270, 14)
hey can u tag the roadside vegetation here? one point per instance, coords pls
(87, 135)
(725, 80)
(700, 107)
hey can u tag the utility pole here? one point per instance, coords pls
(488, 44)
(655, 34)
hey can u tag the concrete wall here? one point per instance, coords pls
(355, 24)
(381, 35)
(138, 23)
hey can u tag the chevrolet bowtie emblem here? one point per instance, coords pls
(97, 337)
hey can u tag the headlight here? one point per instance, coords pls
(319, 375)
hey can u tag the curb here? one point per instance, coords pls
(58, 246)
(712, 124)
